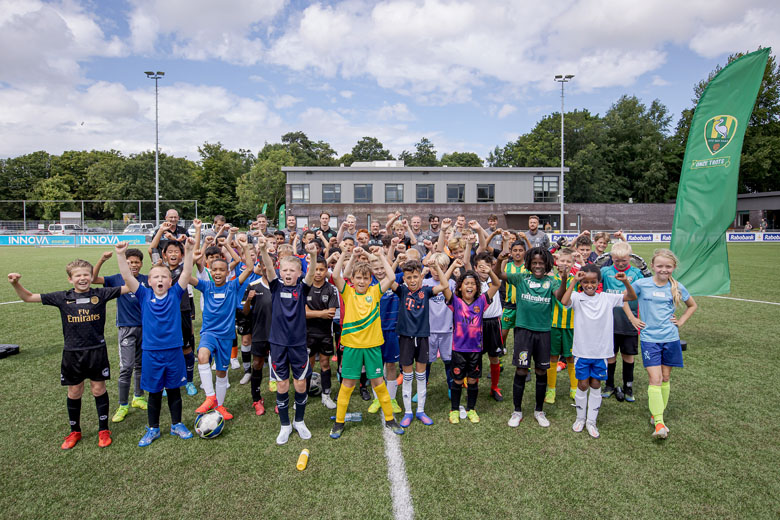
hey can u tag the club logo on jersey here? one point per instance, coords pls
(324, 297)
(719, 131)
(476, 309)
(295, 295)
(420, 294)
(369, 299)
(95, 300)
(546, 285)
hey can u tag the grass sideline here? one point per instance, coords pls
(721, 459)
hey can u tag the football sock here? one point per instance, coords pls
(101, 403)
(628, 374)
(581, 403)
(611, 374)
(448, 372)
(246, 357)
(301, 398)
(572, 376)
(222, 384)
(325, 377)
(406, 392)
(655, 401)
(665, 392)
(471, 396)
(138, 392)
(518, 387)
(234, 352)
(455, 394)
(256, 384)
(308, 381)
(174, 405)
(124, 392)
(384, 401)
(422, 391)
(283, 403)
(189, 363)
(495, 374)
(594, 403)
(345, 392)
(74, 414)
(153, 409)
(552, 375)
(205, 378)
(541, 388)
(392, 388)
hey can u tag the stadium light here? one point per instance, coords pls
(156, 76)
(560, 78)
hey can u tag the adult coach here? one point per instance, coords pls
(536, 236)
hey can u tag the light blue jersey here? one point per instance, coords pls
(219, 311)
(614, 286)
(656, 308)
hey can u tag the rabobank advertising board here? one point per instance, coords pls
(70, 240)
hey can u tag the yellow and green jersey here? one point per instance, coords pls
(511, 293)
(563, 318)
(362, 327)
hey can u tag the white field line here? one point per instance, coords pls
(396, 474)
(8, 303)
(743, 300)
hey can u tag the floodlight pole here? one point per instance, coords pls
(560, 78)
(156, 76)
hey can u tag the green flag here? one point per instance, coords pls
(282, 218)
(707, 195)
(265, 208)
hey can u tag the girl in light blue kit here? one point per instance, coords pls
(659, 336)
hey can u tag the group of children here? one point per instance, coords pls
(371, 308)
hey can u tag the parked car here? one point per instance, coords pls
(99, 231)
(206, 226)
(140, 228)
(65, 229)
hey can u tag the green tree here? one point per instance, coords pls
(217, 178)
(53, 188)
(305, 151)
(264, 184)
(370, 149)
(424, 155)
(464, 159)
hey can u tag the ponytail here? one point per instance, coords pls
(676, 296)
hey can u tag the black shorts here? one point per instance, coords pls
(628, 344)
(261, 348)
(466, 364)
(531, 344)
(243, 324)
(412, 349)
(491, 337)
(78, 365)
(187, 334)
(319, 345)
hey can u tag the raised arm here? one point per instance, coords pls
(630, 294)
(442, 243)
(311, 250)
(21, 292)
(186, 271)
(338, 278)
(96, 278)
(481, 235)
(412, 238)
(495, 284)
(691, 307)
(165, 226)
(270, 272)
(391, 218)
(244, 243)
(444, 283)
(124, 269)
(388, 282)
(522, 236)
(198, 224)
(564, 293)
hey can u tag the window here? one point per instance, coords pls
(331, 193)
(425, 193)
(394, 192)
(486, 192)
(364, 193)
(546, 188)
(456, 192)
(299, 192)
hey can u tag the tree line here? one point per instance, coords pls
(631, 152)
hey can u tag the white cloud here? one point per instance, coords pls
(398, 111)
(346, 94)
(506, 110)
(757, 27)
(286, 101)
(658, 81)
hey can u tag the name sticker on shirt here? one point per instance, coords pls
(285, 295)
(82, 301)
(219, 296)
(659, 294)
(534, 285)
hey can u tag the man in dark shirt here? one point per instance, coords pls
(321, 305)
(325, 226)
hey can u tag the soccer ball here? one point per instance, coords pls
(209, 424)
(315, 388)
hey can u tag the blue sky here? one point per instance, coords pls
(469, 75)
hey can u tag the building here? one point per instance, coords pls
(753, 207)
(372, 190)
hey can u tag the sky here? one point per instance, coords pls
(469, 75)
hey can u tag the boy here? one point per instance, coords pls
(288, 336)
(491, 323)
(221, 298)
(84, 356)
(440, 318)
(361, 336)
(593, 320)
(128, 324)
(257, 305)
(163, 362)
(321, 306)
(516, 253)
(562, 332)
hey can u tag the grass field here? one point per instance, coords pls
(721, 460)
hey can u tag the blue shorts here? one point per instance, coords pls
(440, 343)
(219, 349)
(666, 354)
(162, 369)
(585, 368)
(390, 349)
(283, 358)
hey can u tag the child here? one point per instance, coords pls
(361, 336)
(468, 305)
(562, 332)
(257, 305)
(440, 318)
(660, 336)
(626, 338)
(288, 336)
(321, 306)
(221, 298)
(84, 356)
(163, 362)
(592, 338)
(128, 324)
(532, 328)
(491, 323)
(516, 254)
(583, 244)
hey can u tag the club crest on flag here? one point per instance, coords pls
(718, 132)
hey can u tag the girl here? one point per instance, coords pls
(468, 306)
(658, 297)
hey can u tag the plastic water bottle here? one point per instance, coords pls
(303, 460)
